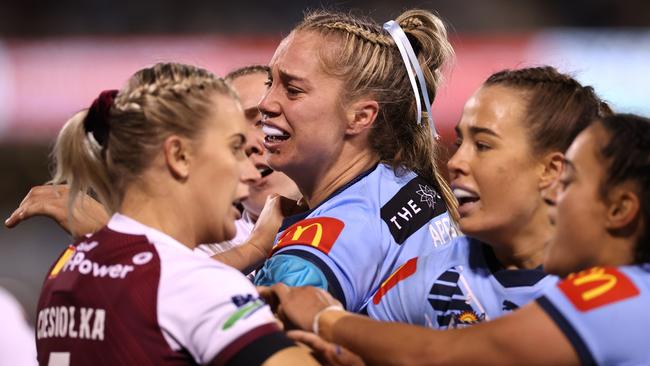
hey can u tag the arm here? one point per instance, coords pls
(51, 201)
(525, 337)
(250, 255)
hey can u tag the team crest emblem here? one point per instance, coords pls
(428, 195)
(465, 318)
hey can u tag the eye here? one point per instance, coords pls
(292, 91)
(238, 149)
(458, 141)
(482, 146)
(268, 82)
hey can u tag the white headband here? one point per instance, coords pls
(411, 62)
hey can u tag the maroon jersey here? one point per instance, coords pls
(132, 295)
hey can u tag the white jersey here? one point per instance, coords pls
(244, 228)
(16, 337)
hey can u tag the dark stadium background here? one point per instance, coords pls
(56, 55)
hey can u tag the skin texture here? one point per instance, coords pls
(176, 193)
(576, 202)
(251, 88)
(507, 340)
(495, 162)
(328, 143)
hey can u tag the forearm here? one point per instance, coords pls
(383, 343)
(246, 257)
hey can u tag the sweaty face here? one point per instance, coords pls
(577, 208)
(494, 174)
(251, 88)
(218, 168)
(305, 123)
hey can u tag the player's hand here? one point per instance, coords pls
(268, 223)
(327, 353)
(52, 201)
(298, 306)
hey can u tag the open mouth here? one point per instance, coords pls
(464, 196)
(237, 204)
(264, 170)
(274, 134)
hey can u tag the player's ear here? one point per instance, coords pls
(361, 115)
(177, 154)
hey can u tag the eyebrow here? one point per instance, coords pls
(251, 111)
(286, 76)
(474, 130)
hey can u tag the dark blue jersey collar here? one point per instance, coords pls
(290, 220)
(482, 255)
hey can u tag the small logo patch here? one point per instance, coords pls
(318, 232)
(596, 287)
(65, 257)
(411, 208)
(248, 306)
(465, 318)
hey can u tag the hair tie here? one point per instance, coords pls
(411, 62)
(96, 121)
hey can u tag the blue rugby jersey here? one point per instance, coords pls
(456, 285)
(604, 314)
(358, 236)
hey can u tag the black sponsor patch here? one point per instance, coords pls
(412, 207)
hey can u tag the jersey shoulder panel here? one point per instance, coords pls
(585, 306)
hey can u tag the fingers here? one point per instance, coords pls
(44, 200)
(267, 294)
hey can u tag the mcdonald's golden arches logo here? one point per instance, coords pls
(597, 287)
(318, 232)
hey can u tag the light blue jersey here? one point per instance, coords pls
(454, 286)
(358, 236)
(604, 314)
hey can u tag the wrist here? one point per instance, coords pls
(325, 318)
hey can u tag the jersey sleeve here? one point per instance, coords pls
(330, 248)
(600, 313)
(213, 312)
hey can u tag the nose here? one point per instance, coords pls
(269, 105)
(254, 141)
(249, 174)
(457, 164)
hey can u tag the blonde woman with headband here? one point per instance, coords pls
(165, 155)
(347, 117)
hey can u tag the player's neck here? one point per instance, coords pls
(158, 211)
(523, 246)
(343, 171)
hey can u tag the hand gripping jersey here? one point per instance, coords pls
(454, 286)
(354, 239)
(604, 314)
(131, 295)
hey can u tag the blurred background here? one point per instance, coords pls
(55, 56)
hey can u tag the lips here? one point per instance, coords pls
(264, 170)
(466, 199)
(274, 134)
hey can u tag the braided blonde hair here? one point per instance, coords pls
(159, 101)
(368, 61)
